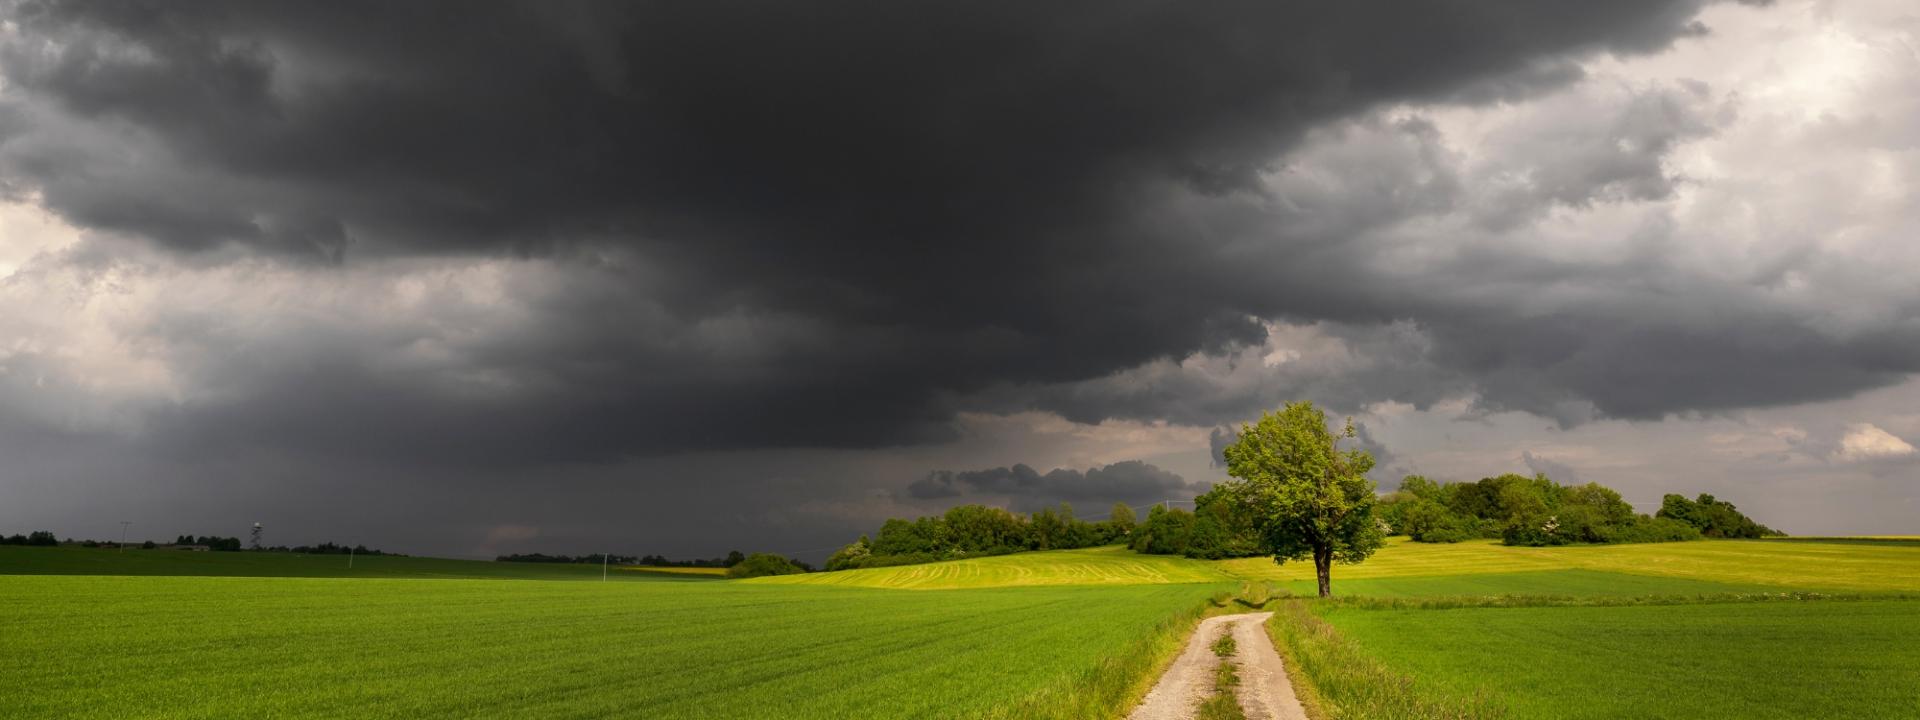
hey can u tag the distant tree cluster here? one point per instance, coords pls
(764, 564)
(1217, 528)
(328, 548)
(40, 538)
(978, 530)
(1520, 510)
(213, 542)
(595, 558)
(1713, 518)
(732, 559)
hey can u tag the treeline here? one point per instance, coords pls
(732, 559)
(213, 542)
(1713, 518)
(1536, 511)
(1217, 528)
(595, 558)
(328, 548)
(764, 564)
(978, 530)
(40, 538)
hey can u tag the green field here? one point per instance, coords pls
(1668, 630)
(1751, 660)
(202, 647)
(1824, 566)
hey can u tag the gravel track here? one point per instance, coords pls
(1265, 693)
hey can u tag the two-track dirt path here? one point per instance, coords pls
(1265, 693)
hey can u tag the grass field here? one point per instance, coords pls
(97, 634)
(1705, 647)
(18, 560)
(201, 647)
(1752, 660)
(1743, 564)
(1111, 565)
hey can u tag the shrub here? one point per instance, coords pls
(763, 564)
(1645, 529)
(1713, 518)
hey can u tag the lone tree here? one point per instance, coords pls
(1311, 498)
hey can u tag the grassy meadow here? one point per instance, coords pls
(1728, 629)
(213, 647)
(1732, 565)
(1712, 629)
(1733, 660)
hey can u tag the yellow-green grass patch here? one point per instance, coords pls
(704, 572)
(1836, 566)
(1111, 565)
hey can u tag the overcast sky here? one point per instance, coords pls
(472, 278)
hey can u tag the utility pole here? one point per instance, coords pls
(123, 534)
(349, 558)
(603, 567)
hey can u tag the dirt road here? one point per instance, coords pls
(1265, 693)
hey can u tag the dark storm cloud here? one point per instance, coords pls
(901, 205)
(1025, 489)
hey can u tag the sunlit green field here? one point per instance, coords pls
(1749, 660)
(97, 633)
(1111, 565)
(1827, 566)
(1484, 567)
(203, 647)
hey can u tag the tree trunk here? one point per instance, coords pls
(1323, 567)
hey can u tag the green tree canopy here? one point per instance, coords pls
(1312, 499)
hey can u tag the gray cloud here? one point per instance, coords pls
(525, 243)
(1025, 489)
(690, 166)
(1559, 471)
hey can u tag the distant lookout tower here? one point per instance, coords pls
(256, 536)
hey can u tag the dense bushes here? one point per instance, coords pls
(1526, 511)
(1217, 528)
(213, 542)
(38, 537)
(1713, 518)
(978, 530)
(763, 564)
